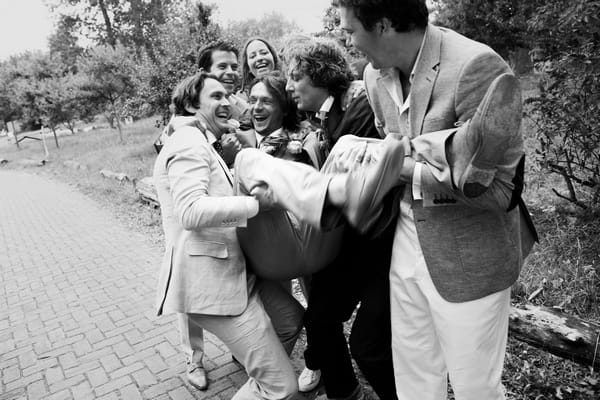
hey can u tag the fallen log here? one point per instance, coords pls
(120, 176)
(557, 333)
(145, 188)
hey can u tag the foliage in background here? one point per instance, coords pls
(501, 24)
(106, 75)
(272, 27)
(567, 112)
(187, 28)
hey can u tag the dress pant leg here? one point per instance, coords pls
(334, 294)
(192, 339)
(252, 340)
(285, 312)
(371, 337)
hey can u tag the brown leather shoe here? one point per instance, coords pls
(197, 377)
(480, 144)
(367, 185)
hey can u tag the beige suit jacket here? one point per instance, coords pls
(203, 269)
(472, 247)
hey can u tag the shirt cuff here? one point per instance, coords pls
(416, 182)
(251, 206)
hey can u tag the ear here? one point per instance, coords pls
(383, 26)
(191, 109)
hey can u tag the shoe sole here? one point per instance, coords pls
(501, 120)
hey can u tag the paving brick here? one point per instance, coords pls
(112, 386)
(83, 391)
(36, 390)
(131, 392)
(156, 364)
(97, 377)
(127, 370)
(67, 383)
(64, 394)
(54, 375)
(144, 377)
(181, 393)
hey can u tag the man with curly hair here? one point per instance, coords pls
(318, 79)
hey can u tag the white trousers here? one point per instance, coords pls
(252, 340)
(433, 338)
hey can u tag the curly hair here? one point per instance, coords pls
(275, 84)
(205, 53)
(187, 93)
(247, 75)
(324, 63)
(405, 15)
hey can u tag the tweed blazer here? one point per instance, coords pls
(203, 270)
(472, 247)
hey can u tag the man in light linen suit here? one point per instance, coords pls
(455, 256)
(203, 275)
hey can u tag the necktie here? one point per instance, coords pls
(219, 148)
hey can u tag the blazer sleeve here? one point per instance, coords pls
(473, 80)
(188, 165)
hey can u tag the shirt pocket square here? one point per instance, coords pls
(206, 248)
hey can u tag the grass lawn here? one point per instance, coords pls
(565, 262)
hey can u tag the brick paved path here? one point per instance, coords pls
(76, 305)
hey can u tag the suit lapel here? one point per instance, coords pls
(426, 72)
(384, 84)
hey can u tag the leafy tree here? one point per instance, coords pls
(501, 24)
(62, 102)
(567, 112)
(106, 79)
(272, 27)
(187, 28)
(63, 43)
(132, 23)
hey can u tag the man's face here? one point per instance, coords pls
(214, 107)
(364, 41)
(225, 68)
(266, 112)
(307, 96)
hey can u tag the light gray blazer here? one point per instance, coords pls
(473, 247)
(203, 270)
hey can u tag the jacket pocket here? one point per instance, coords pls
(195, 247)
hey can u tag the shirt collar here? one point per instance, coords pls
(325, 108)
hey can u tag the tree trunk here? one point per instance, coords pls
(557, 333)
(55, 138)
(110, 35)
(15, 134)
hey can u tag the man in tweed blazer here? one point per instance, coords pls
(455, 256)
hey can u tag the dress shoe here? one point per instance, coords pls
(367, 185)
(197, 377)
(308, 380)
(480, 144)
(357, 394)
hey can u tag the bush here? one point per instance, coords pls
(567, 112)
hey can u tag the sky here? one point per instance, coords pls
(26, 24)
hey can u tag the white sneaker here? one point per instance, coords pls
(309, 380)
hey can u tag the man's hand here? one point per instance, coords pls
(360, 154)
(264, 197)
(231, 146)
